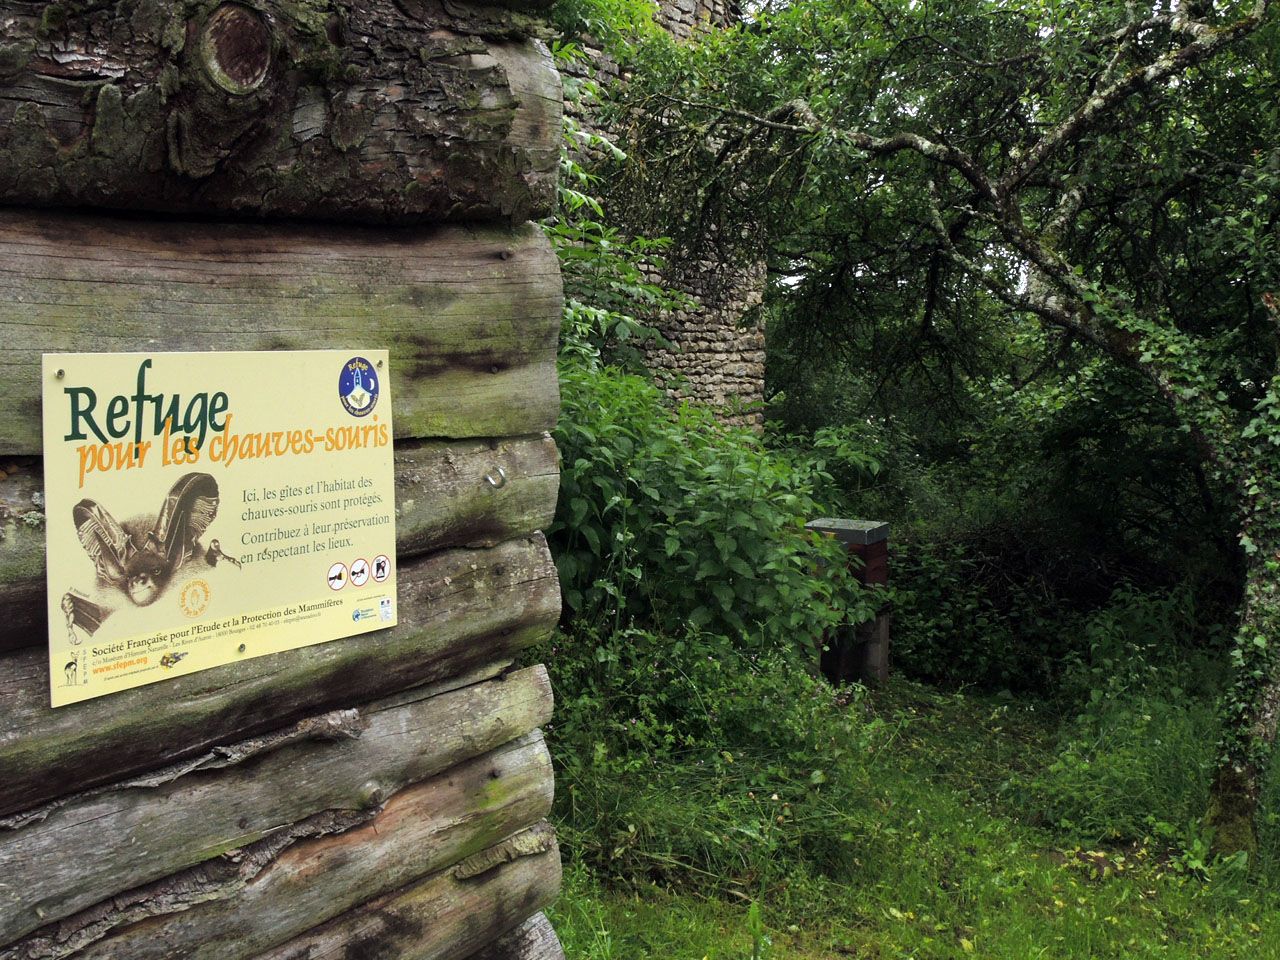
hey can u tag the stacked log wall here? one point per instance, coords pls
(380, 795)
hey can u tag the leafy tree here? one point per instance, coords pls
(1106, 171)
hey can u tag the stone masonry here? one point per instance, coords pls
(683, 17)
(718, 358)
(718, 355)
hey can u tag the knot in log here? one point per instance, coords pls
(236, 48)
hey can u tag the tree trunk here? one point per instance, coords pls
(532, 940)
(382, 111)
(83, 850)
(448, 915)
(251, 899)
(1252, 709)
(458, 609)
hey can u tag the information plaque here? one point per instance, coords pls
(204, 508)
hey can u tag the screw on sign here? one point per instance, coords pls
(359, 573)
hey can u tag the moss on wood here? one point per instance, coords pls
(315, 108)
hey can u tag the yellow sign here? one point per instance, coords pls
(205, 508)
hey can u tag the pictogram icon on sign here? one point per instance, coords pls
(337, 576)
(359, 573)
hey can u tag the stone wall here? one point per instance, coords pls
(717, 356)
(683, 17)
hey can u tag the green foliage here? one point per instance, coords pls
(938, 187)
(1137, 769)
(1027, 466)
(1269, 826)
(1138, 759)
(609, 296)
(912, 843)
(1143, 643)
(671, 520)
(755, 926)
(688, 759)
(844, 460)
(615, 24)
(947, 627)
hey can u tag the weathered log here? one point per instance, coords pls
(473, 494)
(470, 316)
(382, 110)
(458, 609)
(256, 897)
(22, 550)
(95, 846)
(441, 918)
(532, 940)
(442, 500)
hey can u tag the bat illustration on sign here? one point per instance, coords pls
(83, 614)
(140, 555)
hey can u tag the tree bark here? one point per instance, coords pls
(442, 918)
(1252, 711)
(83, 850)
(252, 898)
(532, 940)
(382, 110)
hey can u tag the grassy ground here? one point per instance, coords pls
(948, 858)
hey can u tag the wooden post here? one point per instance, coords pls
(859, 652)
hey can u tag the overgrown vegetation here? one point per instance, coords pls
(670, 520)
(1067, 576)
(943, 855)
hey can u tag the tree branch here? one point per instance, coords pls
(1207, 41)
(951, 156)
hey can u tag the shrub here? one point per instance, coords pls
(1138, 758)
(946, 627)
(673, 521)
(1136, 769)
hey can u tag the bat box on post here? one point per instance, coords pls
(859, 652)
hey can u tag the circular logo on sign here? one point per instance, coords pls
(358, 387)
(194, 597)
